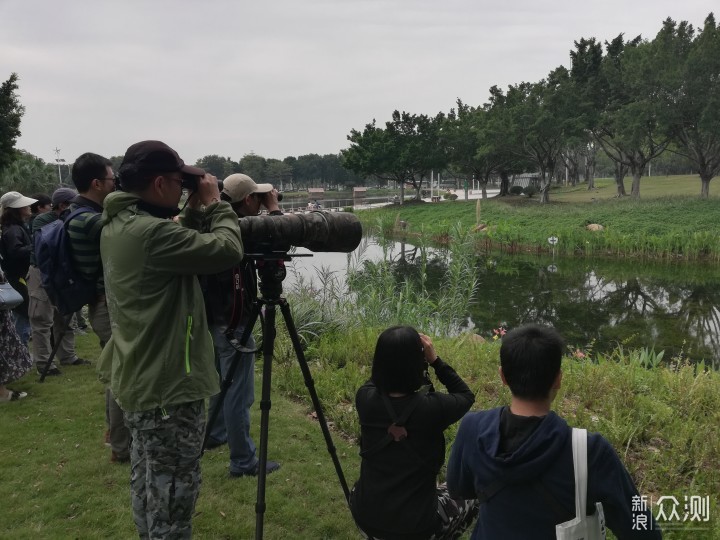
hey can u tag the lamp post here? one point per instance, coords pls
(59, 162)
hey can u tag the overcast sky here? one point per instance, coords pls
(281, 77)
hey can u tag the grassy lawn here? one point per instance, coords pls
(58, 481)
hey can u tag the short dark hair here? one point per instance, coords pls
(132, 179)
(399, 361)
(10, 216)
(87, 168)
(41, 200)
(530, 357)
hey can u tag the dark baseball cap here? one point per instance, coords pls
(156, 157)
(63, 195)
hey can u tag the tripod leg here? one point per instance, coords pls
(310, 384)
(55, 348)
(227, 381)
(268, 347)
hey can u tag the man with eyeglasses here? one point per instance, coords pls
(94, 179)
(159, 360)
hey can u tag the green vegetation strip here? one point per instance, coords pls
(663, 226)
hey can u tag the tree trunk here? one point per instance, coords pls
(402, 192)
(544, 189)
(705, 185)
(635, 191)
(590, 173)
(504, 184)
(620, 172)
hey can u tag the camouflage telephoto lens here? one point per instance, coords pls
(316, 231)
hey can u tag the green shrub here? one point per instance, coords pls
(516, 190)
(530, 190)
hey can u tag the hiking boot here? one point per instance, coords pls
(270, 467)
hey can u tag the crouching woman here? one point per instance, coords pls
(402, 445)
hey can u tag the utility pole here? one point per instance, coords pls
(59, 161)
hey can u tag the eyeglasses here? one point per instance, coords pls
(113, 178)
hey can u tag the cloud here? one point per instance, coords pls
(284, 77)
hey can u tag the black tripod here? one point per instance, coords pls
(271, 271)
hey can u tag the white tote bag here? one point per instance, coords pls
(582, 527)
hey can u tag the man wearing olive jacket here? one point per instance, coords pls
(159, 361)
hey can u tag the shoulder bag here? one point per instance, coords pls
(9, 297)
(582, 527)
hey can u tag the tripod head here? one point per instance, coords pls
(270, 266)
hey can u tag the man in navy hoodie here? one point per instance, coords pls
(518, 459)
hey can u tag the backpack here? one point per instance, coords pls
(67, 289)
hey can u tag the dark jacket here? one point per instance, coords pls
(396, 495)
(15, 248)
(229, 295)
(522, 509)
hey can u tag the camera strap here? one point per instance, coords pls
(237, 313)
(237, 302)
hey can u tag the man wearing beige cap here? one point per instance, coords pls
(228, 308)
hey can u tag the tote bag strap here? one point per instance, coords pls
(579, 447)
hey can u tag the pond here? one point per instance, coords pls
(596, 304)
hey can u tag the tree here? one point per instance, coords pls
(405, 151)
(254, 166)
(540, 119)
(691, 93)
(11, 112)
(502, 139)
(465, 138)
(628, 129)
(308, 170)
(217, 165)
(278, 173)
(585, 72)
(28, 174)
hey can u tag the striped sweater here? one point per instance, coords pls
(84, 232)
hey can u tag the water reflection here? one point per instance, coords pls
(609, 303)
(594, 303)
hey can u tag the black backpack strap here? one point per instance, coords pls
(75, 213)
(396, 431)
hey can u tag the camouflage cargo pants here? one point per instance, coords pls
(165, 468)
